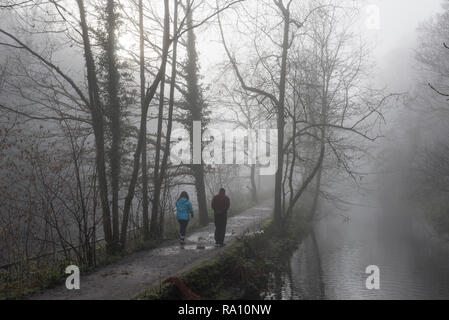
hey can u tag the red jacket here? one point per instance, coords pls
(221, 203)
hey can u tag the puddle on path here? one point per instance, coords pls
(177, 249)
(263, 209)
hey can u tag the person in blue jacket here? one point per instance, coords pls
(184, 212)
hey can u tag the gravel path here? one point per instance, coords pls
(143, 270)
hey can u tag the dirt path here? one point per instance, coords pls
(143, 270)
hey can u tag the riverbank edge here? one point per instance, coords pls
(243, 271)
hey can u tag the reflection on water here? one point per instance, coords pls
(305, 272)
(413, 262)
(279, 287)
(413, 265)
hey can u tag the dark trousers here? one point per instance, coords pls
(220, 226)
(182, 227)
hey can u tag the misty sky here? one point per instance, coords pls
(399, 19)
(395, 41)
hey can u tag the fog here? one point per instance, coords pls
(91, 105)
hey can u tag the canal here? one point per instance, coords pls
(413, 261)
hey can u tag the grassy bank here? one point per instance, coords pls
(243, 271)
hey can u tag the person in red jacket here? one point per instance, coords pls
(220, 205)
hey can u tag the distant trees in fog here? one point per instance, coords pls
(421, 162)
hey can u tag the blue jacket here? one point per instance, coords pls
(184, 209)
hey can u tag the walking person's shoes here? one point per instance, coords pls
(182, 240)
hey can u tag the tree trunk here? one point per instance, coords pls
(98, 127)
(198, 174)
(281, 117)
(158, 178)
(316, 193)
(145, 201)
(292, 167)
(254, 197)
(196, 105)
(115, 152)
